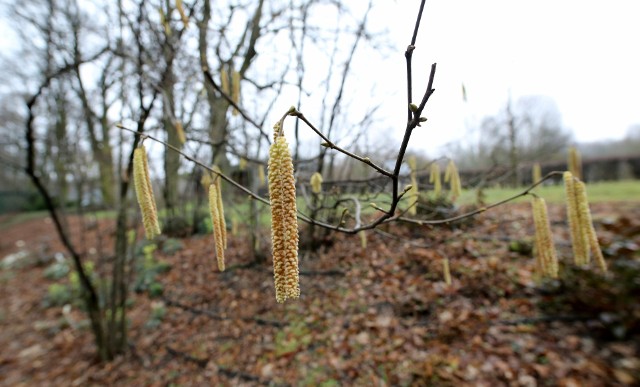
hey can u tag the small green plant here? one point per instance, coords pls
(58, 295)
(171, 246)
(148, 269)
(57, 270)
(292, 339)
(156, 289)
(158, 311)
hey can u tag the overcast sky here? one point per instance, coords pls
(583, 54)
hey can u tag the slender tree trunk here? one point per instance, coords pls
(59, 157)
(513, 150)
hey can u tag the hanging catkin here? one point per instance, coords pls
(413, 193)
(452, 177)
(217, 220)
(164, 22)
(446, 270)
(363, 239)
(144, 193)
(183, 15)
(218, 184)
(235, 90)
(224, 80)
(434, 178)
(182, 138)
(316, 183)
(586, 226)
(536, 173)
(284, 223)
(574, 162)
(261, 178)
(579, 239)
(545, 249)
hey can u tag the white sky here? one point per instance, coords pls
(583, 54)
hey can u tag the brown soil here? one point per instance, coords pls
(375, 316)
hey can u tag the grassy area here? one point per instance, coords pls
(17, 218)
(613, 191)
(13, 219)
(627, 190)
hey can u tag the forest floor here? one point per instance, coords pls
(380, 315)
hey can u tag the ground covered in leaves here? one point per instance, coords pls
(380, 315)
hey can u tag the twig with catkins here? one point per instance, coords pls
(144, 193)
(583, 235)
(547, 260)
(434, 178)
(216, 209)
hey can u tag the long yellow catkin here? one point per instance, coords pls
(144, 193)
(547, 258)
(536, 173)
(413, 194)
(413, 165)
(449, 171)
(316, 183)
(235, 90)
(234, 226)
(434, 178)
(180, 132)
(224, 80)
(147, 179)
(578, 240)
(446, 271)
(216, 220)
(591, 239)
(453, 177)
(218, 184)
(261, 178)
(183, 15)
(595, 248)
(206, 180)
(575, 162)
(540, 261)
(363, 239)
(164, 22)
(284, 223)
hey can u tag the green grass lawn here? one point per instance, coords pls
(615, 191)
(18, 218)
(612, 191)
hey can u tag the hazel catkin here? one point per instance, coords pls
(284, 222)
(434, 178)
(144, 193)
(545, 249)
(578, 237)
(316, 183)
(217, 220)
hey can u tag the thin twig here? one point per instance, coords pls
(329, 144)
(222, 175)
(527, 191)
